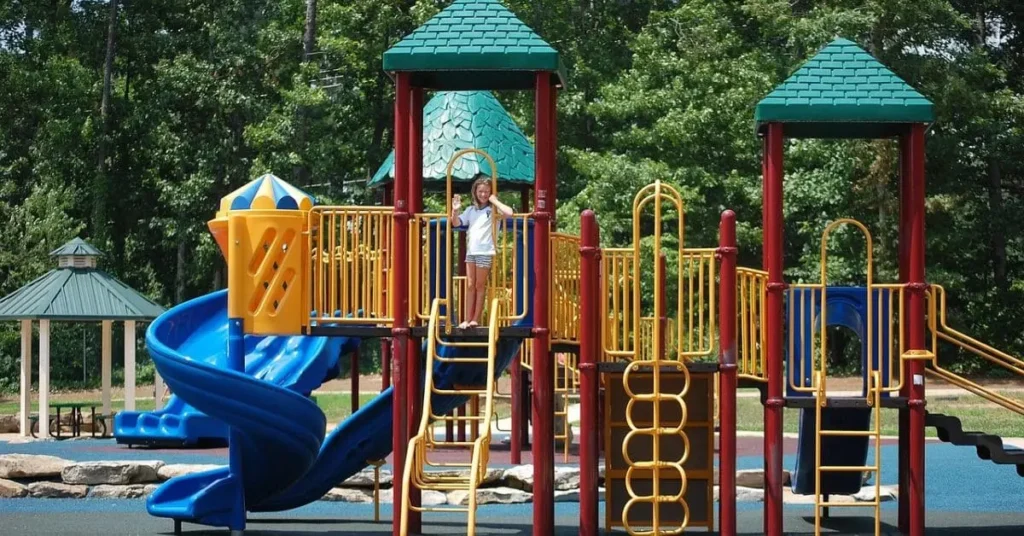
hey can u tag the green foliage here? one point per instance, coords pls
(207, 95)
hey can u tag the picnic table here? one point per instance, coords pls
(77, 419)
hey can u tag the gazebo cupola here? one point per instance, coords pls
(76, 254)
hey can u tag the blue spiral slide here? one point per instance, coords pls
(280, 458)
(299, 363)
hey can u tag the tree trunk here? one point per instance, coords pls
(180, 275)
(301, 170)
(998, 227)
(101, 184)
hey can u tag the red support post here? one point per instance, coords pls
(414, 375)
(903, 522)
(727, 383)
(400, 291)
(916, 338)
(354, 372)
(590, 346)
(543, 366)
(774, 328)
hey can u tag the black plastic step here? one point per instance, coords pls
(988, 446)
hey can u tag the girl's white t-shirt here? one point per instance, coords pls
(479, 240)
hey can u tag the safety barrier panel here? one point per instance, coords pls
(565, 288)
(751, 298)
(350, 254)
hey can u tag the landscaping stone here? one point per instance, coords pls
(348, 495)
(867, 494)
(572, 495)
(167, 472)
(10, 424)
(427, 497)
(31, 466)
(754, 478)
(10, 489)
(107, 491)
(521, 477)
(749, 494)
(112, 472)
(501, 495)
(364, 479)
(57, 490)
(491, 476)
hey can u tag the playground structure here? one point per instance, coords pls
(305, 281)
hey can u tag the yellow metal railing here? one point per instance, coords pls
(751, 298)
(565, 288)
(875, 401)
(350, 264)
(940, 331)
(618, 269)
(417, 464)
(433, 274)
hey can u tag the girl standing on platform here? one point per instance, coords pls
(479, 243)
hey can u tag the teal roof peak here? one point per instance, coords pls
(78, 247)
(456, 120)
(843, 92)
(474, 44)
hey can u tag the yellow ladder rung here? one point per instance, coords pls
(848, 433)
(428, 509)
(841, 468)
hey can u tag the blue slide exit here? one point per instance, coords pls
(299, 363)
(286, 461)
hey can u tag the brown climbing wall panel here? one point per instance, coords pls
(699, 431)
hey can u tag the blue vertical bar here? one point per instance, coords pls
(236, 362)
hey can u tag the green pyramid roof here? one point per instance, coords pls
(76, 246)
(455, 120)
(843, 92)
(474, 44)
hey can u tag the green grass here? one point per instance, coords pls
(336, 406)
(976, 414)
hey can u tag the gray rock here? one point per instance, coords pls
(167, 472)
(364, 479)
(753, 478)
(348, 495)
(749, 494)
(111, 472)
(867, 493)
(150, 488)
(11, 490)
(521, 477)
(427, 498)
(490, 496)
(572, 495)
(491, 475)
(106, 491)
(10, 424)
(31, 466)
(57, 490)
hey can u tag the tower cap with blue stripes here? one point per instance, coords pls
(268, 192)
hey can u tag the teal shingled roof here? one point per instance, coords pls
(843, 92)
(77, 294)
(474, 44)
(455, 120)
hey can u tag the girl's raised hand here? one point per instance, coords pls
(456, 202)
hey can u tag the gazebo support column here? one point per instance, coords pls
(158, 391)
(44, 379)
(129, 365)
(26, 377)
(104, 366)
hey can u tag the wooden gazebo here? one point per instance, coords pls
(75, 291)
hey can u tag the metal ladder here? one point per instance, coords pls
(451, 476)
(874, 400)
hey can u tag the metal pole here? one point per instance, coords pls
(916, 341)
(773, 325)
(413, 375)
(543, 370)
(400, 291)
(727, 374)
(590, 345)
